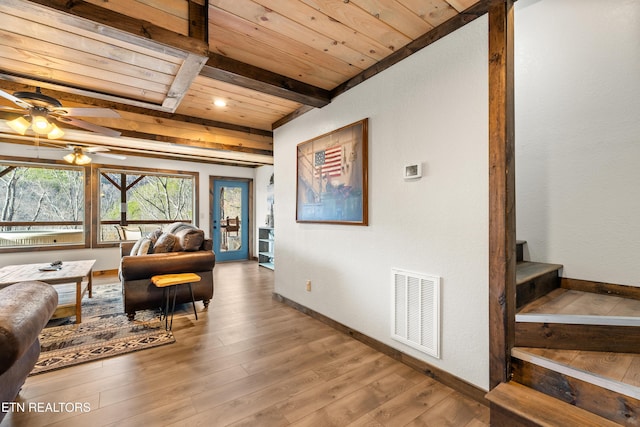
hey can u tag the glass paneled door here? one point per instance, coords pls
(230, 222)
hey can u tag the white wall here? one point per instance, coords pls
(430, 108)
(108, 258)
(578, 135)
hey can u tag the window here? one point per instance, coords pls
(135, 202)
(41, 204)
(55, 205)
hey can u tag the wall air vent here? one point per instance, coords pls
(416, 311)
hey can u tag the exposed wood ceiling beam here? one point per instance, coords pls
(147, 148)
(81, 99)
(175, 140)
(217, 66)
(198, 20)
(126, 24)
(106, 23)
(192, 143)
(228, 70)
(479, 9)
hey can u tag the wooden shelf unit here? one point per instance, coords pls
(266, 242)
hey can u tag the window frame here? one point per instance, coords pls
(96, 171)
(86, 221)
(91, 189)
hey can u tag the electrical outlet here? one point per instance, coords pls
(308, 285)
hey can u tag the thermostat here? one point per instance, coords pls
(413, 171)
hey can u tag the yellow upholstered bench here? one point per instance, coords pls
(171, 281)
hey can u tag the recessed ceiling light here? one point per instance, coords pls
(219, 103)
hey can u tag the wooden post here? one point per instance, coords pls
(198, 20)
(502, 216)
(123, 199)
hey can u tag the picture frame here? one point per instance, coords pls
(332, 172)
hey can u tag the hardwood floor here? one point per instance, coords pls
(248, 361)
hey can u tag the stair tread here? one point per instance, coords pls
(528, 270)
(571, 302)
(618, 372)
(542, 409)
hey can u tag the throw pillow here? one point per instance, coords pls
(145, 246)
(177, 226)
(189, 239)
(164, 243)
(154, 235)
(141, 247)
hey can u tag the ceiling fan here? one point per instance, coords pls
(78, 155)
(42, 112)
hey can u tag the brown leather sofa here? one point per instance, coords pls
(25, 308)
(136, 272)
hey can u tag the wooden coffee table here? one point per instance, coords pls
(71, 272)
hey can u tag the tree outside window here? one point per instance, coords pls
(139, 202)
(41, 205)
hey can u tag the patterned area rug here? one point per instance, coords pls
(104, 332)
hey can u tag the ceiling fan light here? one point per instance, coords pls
(55, 132)
(82, 159)
(70, 158)
(19, 125)
(41, 125)
(76, 158)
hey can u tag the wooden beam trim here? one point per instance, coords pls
(192, 143)
(228, 70)
(198, 20)
(291, 116)
(136, 181)
(502, 219)
(81, 99)
(189, 70)
(108, 178)
(105, 21)
(6, 170)
(52, 85)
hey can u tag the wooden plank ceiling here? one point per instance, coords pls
(161, 64)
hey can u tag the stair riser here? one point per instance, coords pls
(520, 251)
(530, 291)
(501, 417)
(623, 339)
(606, 403)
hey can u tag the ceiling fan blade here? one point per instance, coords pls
(95, 149)
(113, 156)
(15, 100)
(13, 110)
(86, 112)
(89, 126)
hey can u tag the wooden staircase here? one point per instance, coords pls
(576, 360)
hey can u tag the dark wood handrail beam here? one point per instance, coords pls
(229, 70)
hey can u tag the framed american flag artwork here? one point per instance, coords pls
(332, 177)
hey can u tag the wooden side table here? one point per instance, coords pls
(171, 281)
